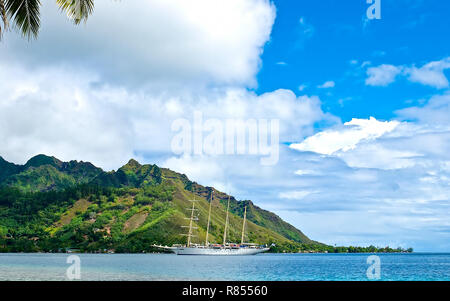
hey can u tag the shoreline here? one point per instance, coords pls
(266, 253)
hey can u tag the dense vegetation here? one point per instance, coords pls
(51, 206)
(86, 217)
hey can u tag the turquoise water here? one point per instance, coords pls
(416, 266)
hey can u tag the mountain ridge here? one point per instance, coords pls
(45, 173)
(156, 196)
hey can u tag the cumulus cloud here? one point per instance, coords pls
(430, 74)
(381, 156)
(346, 137)
(168, 42)
(435, 111)
(64, 112)
(382, 75)
(56, 112)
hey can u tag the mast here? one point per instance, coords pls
(190, 224)
(226, 223)
(209, 218)
(191, 221)
(243, 225)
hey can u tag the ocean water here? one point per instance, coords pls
(415, 266)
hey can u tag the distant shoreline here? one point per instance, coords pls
(272, 253)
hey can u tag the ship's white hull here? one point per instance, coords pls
(218, 251)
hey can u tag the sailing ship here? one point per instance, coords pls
(225, 248)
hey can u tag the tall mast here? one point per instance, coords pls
(190, 225)
(243, 225)
(226, 223)
(209, 218)
(191, 222)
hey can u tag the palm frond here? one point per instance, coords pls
(25, 15)
(77, 10)
(4, 17)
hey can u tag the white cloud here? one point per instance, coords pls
(382, 75)
(435, 111)
(346, 137)
(377, 155)
(61, 111)
(198, 167)
(55, 111)
(327, 84)
(305, 172)
(168, 42)
(431, 74)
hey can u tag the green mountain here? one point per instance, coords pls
(132, 174)
(7, 169)
(50, 205)
(44, 173)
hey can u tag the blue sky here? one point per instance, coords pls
(410, 32)
(363, 106)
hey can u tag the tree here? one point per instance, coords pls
(3, 231)
(25, 14)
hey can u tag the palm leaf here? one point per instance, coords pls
(26, 15)
(77, 10)
(4, 17)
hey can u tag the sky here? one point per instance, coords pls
(363, 105)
